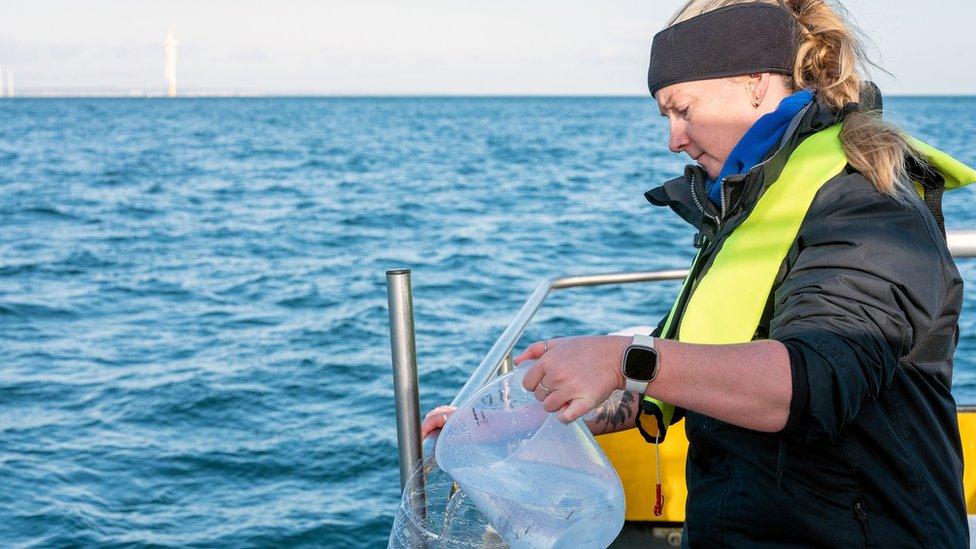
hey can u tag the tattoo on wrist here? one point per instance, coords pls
(612, 415)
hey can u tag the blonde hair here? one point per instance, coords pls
(830, 59)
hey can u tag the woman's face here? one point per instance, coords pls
(709, 117)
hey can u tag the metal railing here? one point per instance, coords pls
(962, 244)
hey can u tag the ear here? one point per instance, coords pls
(758, 85)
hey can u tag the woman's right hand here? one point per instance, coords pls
(435, 420)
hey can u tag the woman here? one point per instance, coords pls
(810, 350)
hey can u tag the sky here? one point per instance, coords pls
(418, 47)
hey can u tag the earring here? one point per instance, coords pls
(756, 102)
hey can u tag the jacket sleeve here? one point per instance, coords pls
(866, 274)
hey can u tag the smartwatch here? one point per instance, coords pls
(639, 363)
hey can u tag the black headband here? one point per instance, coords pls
(731, 41)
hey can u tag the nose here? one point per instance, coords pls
(678, 139)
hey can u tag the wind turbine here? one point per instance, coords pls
(170, 46)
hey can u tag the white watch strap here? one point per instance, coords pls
(643, 341)
(636, 386)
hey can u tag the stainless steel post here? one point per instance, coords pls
(406, 390)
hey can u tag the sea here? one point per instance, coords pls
(194, 336)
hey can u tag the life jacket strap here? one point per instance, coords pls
(931, 186)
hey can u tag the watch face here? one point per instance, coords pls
(640, 364)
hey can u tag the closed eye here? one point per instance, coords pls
(683, 113)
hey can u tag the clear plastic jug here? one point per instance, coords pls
(540, 482)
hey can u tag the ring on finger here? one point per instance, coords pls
(545, 346)
(544, 389)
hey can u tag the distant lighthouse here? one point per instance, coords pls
(170, 46)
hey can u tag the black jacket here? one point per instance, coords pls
(867, 303)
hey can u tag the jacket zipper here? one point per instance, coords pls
(863, 517)
(700, 239)
(721, 194)
(698, 202)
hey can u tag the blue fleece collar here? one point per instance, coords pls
(765, 134)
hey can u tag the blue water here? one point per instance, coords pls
(193, 324)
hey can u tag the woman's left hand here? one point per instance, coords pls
(575, 374)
